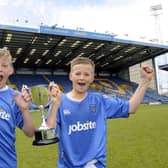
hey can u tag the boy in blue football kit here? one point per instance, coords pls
(13, 112)
(80, 116)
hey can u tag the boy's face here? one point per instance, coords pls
(81, 75)
(6, 69)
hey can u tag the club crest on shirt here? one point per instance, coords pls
(92, 108)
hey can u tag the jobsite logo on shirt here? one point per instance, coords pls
(78, 127)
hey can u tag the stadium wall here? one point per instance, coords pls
(135, 76)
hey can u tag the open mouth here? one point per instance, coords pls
(81, 84)
(1, 78)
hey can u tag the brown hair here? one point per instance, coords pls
(82, 60)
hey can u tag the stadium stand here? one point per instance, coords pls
(52, 48)
(49, 50)
(113, 87)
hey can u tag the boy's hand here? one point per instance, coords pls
(146, 72)
(54, 93)
(24, 98)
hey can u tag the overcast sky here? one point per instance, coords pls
(132, 17)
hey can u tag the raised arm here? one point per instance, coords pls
(55, 97)
(137, 97)
(23, 100)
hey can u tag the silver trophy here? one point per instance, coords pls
(43, 135)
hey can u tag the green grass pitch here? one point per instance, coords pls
(140, 141)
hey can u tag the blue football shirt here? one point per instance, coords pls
(82, 128)
(10, 117)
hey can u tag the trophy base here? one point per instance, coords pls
(45, 141)
(45, 137)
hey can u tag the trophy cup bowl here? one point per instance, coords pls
(43, 135)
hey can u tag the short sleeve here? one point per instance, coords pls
(116, 108)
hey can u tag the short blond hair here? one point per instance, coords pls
(82, 60)
(5, 54)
